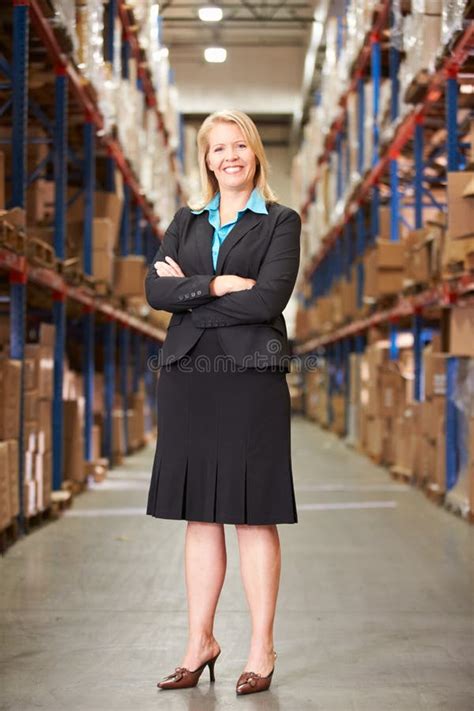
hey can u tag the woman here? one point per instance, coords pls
(226, 271)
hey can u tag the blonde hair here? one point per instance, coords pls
(209, 184)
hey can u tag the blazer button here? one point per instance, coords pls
(186, 296)
(193, 293)
(180, 298)
(199, 293)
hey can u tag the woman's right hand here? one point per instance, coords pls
(227, 283)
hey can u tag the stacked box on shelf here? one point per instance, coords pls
(316, 395)
(383, 269)
(354, 398)
(433, 410)
(421, 35)
(338, 413)
(136, 420)
(422, 250)
(458, 252)
(382, 399)
(38, 381)
(10, 380)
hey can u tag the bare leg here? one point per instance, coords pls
(205, 566)
(260, 566)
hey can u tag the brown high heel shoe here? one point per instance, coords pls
(250, 682)
(183, 678)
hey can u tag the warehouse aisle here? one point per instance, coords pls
(375, 606)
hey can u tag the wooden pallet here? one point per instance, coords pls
(9, 535)
(74, 487)
(12, 238)
(40, 253)
(416, 90)
(434, 494)
(60, 501)
(402, 474)
(97, 469)
(72, 271)
(458, 508)
(37, 519)
(103, 288)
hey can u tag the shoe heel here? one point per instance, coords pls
(211, 668)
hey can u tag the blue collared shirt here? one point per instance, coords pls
(256, 203)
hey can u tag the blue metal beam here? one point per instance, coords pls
(360, 125)
(452, 122)
(59, 317)
(17, 352)
(89, 187)
(419, 174)
(89, 367)
(60, 164)
(417, 354)
(109, 386)
(452, 365)
(20, 101)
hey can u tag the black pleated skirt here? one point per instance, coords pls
(223, 450)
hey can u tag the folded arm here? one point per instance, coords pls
(275, 283)
(175, 294)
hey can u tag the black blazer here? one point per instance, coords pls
(249, 323)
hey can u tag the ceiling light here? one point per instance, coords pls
(210, 14)
(215, 54)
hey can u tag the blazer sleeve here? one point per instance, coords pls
(175, 294)
(271, 293)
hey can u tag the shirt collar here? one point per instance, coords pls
(256, 203)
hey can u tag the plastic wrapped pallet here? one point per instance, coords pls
(452, 18)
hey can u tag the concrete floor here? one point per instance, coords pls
(375, 611)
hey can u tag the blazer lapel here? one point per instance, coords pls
(246, 222)
(203, 241)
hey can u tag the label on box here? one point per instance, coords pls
(439, 384)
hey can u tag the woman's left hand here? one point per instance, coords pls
(168, 268)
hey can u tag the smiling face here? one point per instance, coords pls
(230, 157)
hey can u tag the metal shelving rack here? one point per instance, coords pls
(134, 337)
(350, 236)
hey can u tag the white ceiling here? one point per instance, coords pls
(266, 45)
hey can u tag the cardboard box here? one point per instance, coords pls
(460, 207)
(106, 205)
(41, 377)
(5, 497)
(130, 275)
(31, 406)
(73, 441)
(432, 412)
(391, 393)
(40, 201)
(457, 254)
(461, 337)
(338, 410)
(103, 234)
(103, 265)
(10, 382)
(383, 269)
(45, 429)
(118, 439)
(13, 462)
(96, 442)
(434, 365)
